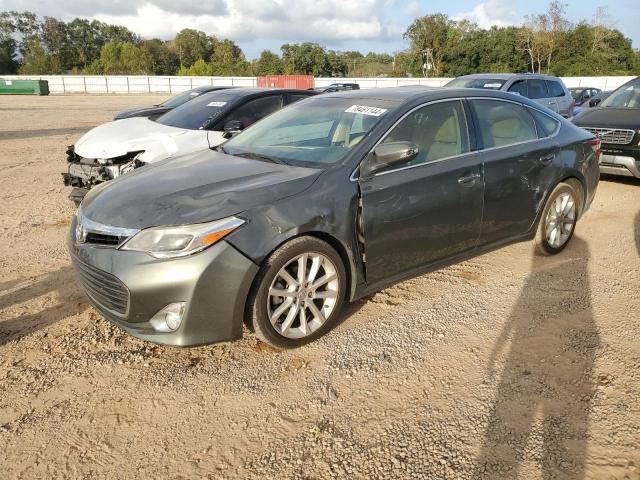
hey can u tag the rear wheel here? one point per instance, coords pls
(298, 293)
(558, 220)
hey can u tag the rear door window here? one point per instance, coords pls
(555, 89)
(537, 89)
(519, 87)
(504, 123)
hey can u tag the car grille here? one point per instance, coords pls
(103, 239)
(105, 289)
(613, 136)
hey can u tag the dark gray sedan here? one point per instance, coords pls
(326, 201)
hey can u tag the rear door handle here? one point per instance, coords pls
(468, 178)
(547, 158)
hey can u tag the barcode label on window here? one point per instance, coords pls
(365, 110)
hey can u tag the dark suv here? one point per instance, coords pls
(543, 89)
(616, 121)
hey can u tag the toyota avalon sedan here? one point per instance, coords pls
(324, 202)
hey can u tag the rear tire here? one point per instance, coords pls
(297, 294)
(558, 220)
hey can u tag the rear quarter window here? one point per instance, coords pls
(547, 124)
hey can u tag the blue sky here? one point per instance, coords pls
(365, 25)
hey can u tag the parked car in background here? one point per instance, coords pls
(543, 89)
(337, 87)
(155, 111)
(324, 202)
(616, 121)
(582, 96)
(597, 98)
(118, 147)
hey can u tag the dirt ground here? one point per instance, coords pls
(506, 366)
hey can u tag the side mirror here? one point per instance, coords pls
(232, 127)
(387, 155)
(595, 102)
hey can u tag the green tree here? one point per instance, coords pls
(120, 59)
(228, 59)
(164, 58)
(199, 69)
(268, 64)
(305, 59)
(428, 37)
(37, 61)
(193, 45)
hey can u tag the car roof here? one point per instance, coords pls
(507, 76)
(237, 93)
(408, 94)
(210, 88)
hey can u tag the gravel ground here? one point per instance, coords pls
(506, 366)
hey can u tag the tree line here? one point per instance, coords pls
(438, 47)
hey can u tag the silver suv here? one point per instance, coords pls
(543, 89)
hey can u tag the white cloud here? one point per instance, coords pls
(240, 20)
(414, 10)
(489, 13)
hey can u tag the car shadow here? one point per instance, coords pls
(543, 397)
(636, 231)
(53, 296)
(46, 132)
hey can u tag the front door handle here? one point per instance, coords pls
(468, 178)
(547, 158)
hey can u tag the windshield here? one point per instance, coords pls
(314, 132)
(199, 112)
(576, 92)
(487, 83)
(625, 97)
(180, 99)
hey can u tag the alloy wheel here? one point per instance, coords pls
(303, 295)
(560, 220)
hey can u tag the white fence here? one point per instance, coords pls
(153, 84)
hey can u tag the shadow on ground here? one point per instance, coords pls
(47, 299)
(543, 398)
(48, 132)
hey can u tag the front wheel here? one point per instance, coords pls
(297, 294)
(558, 220)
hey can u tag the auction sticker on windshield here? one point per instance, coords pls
(365, 110)
(216, 104)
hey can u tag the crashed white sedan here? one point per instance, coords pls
(118, 147)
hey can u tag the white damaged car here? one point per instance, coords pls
(118, 147)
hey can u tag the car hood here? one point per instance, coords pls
(609, 117)
(194, 188)
(117, 138)
(141, 112)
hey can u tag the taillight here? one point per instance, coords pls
(596, 146)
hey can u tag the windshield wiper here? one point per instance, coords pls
(257, 156)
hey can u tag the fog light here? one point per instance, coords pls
(169, 318)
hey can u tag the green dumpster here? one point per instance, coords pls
(24, 87)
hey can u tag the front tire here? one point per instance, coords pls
(558, 220)
(297, 294)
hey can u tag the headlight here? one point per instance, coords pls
(171, 242)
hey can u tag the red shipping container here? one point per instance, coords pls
(301, 82)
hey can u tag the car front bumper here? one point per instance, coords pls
(214, 284)
(624, 165)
